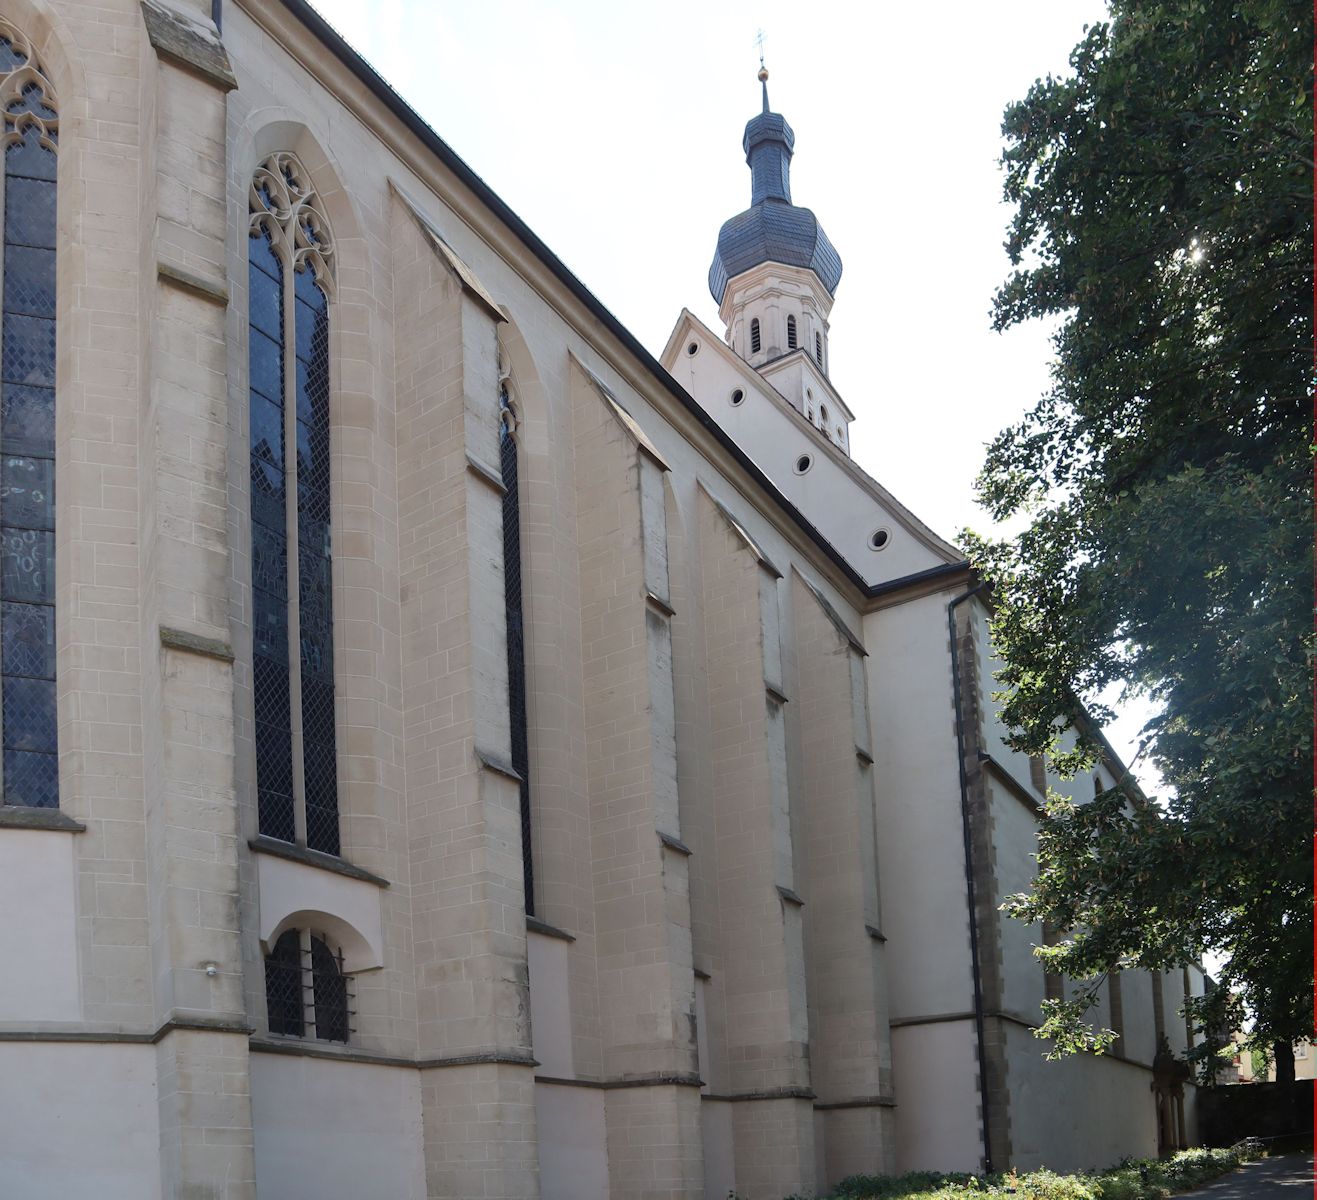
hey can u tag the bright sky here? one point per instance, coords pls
(614, 131)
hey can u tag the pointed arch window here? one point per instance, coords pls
(791, 333)
(28, 717)
(507, 445)
(290, 252)
(754, 336)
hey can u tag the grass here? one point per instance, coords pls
(1144, 1179)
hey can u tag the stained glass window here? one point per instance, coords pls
(292, 568)
(516, 630)
(27, 434)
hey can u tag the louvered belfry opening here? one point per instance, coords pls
(754, 336)
(791, 333)
(516, 630)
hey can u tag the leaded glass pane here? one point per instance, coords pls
(27, 419)
(267, 366)
(29, 351)
(27, 632)
(30, 281)
(30, 210)
(285, 1005)
(31, 779)
(330, 992)
(29, 714)
(27, 491)
(29, 159)
(27, 565)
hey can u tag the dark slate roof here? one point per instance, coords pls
(772, 229)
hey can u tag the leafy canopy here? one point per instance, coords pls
(1163, 210)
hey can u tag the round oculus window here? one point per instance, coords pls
(693, 349)
(879, 539)
(737, 397)
(803, 463)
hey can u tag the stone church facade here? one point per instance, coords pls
(448, 752)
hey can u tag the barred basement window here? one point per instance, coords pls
(791, 333)
(306, 991)
(27, 429)
(754, 336)
(507, 443)
(289, 285)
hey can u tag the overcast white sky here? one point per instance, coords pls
(614, 131)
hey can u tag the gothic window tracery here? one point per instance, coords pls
(28, 718)
(290, 283)
(515, 624)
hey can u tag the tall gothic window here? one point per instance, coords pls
(27, 430)
(289, 283)
(515, 626)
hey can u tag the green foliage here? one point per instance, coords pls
(1149, 1179)
(1163, 211)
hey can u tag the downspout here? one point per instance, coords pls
(979, 1030)
(217, 14)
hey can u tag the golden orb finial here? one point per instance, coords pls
(763, 74)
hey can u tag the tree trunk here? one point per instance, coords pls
(1284, 1056)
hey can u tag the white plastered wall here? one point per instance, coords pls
(79, 1120)
(336, 1130)
(39, 976)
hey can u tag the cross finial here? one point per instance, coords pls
(760, 38)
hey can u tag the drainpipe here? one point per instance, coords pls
(217, 14)
(969, 871)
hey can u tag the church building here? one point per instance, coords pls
(450, 753)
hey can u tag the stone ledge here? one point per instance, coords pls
(189, 281)
(639, 1081)
(313, 858)
(188, 44)
(535, 925)
(485, 474)
(864, 756)
(790, 896)
(859, 1102)
(658, 603)
(778, 1093)
(674, 843)
(15, 816)
(195, 643)
(500, 766)
(775, 692)
(874, 932)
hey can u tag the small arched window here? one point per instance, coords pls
(306, 991)
(818, 349)
(27, 430)
(791, 333)
(823, 416)
(516, 631)
(754, 336)
(289, 280)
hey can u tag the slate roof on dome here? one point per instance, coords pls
(772, 229)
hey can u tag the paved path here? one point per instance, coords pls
(1288, 1177)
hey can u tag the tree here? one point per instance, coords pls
(1163, 212)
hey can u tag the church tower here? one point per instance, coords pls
(775, 273)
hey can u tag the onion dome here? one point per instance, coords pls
(772, 229)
